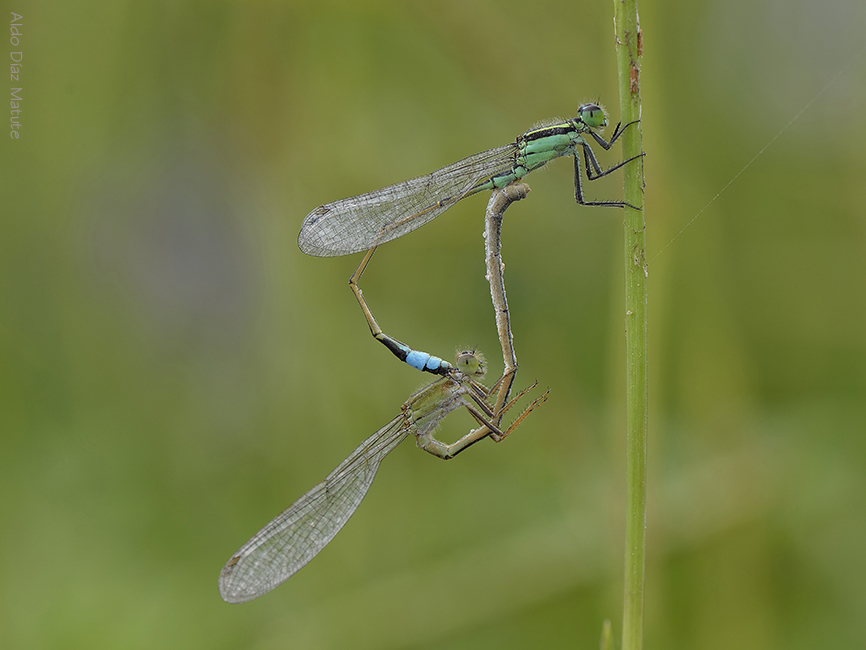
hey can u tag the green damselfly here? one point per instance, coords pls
(362, 222)
(297, 535)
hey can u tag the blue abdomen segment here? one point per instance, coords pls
(424, 361)
(415, 358)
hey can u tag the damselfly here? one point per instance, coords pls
(297, 535)
(361, 222)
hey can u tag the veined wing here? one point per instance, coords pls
(360, 222)
(297, 535)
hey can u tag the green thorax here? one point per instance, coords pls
(537, 147)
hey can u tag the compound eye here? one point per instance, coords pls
(592, 115)
(472, 363)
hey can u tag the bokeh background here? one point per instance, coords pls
(174, 372)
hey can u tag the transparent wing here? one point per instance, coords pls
(360, 222)
(297, 535)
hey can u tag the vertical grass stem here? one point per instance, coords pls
(629, 48)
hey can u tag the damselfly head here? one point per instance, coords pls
(472, 363)
(592, 115)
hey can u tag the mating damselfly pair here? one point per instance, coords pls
(361, 223)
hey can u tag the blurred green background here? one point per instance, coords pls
(174, 372)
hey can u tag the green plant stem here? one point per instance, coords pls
(628, 52)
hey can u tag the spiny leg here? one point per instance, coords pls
(538, 401)
(534, 404)
(594, 171)
(446, 452)
(604, 144)
(578, 190)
